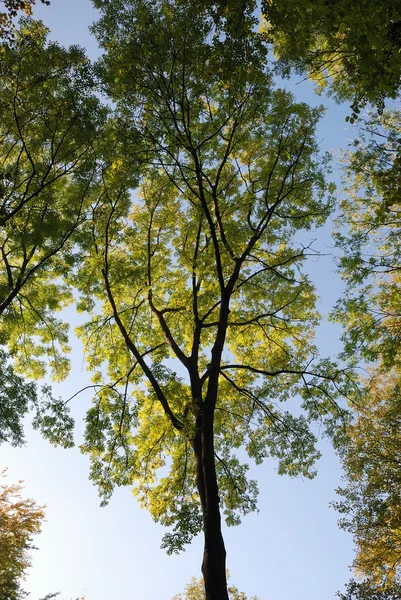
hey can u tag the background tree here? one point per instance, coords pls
(366, 591)
(49, 120)
(195, 590)
(370, 314)
(371, 248)
(355, 46)
(20, 521)
(370, 502)
(12, 8)
(201, 266)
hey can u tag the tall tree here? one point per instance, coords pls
(370, 314)
(370, 505)
(194, 255)
(48, 123)
(20, 521)
(355, 46)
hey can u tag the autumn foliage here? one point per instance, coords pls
(20, 521)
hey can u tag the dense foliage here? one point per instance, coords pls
(182, 216)
(48, 123)
(370, 502)
(369, 312)
(352, 45)
(20, 520)
(357, 590)
(371, 242)
(12, 9)
(194, 254)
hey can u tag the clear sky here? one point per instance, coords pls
(291, 550)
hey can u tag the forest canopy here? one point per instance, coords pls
(171, 192)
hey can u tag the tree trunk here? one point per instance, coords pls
(214, 558)
(214, 554)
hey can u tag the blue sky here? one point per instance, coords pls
(291, 550)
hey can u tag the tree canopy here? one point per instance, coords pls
(369, 312)
(49, 120)
(12, 9)
(370, 504)
(201, 316)
(363, 590)
(370, 242)
(183, 216)
(20, 521)
(354, 46)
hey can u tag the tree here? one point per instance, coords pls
(369, 312)
(20, 521)
(195, 590)
(370, 244)
(354, 45)
(194, 255)
(366, 591)
(17, 397)
(370, 504)
(49, 120)
(12, 8)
